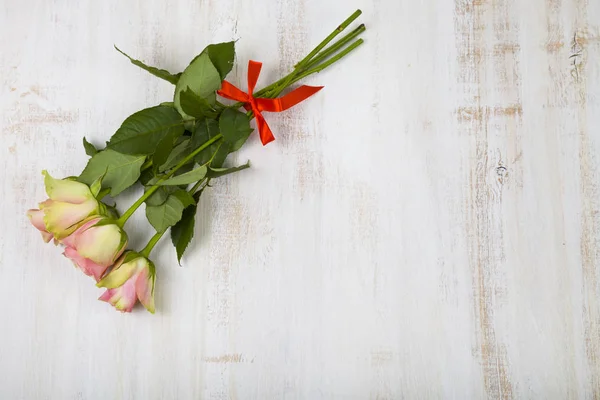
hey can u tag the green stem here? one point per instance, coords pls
(335, 47)
(121, 221)
(300, 66)
(146, 165)
(148, 249)
(103, 193)
(154, 239)
(283, 83)
(329, 38)
(312, 63)
(326, 64)
(276, 91)
(197, 185)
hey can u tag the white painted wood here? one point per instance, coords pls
(426, 227)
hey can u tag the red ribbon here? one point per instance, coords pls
(258, 105)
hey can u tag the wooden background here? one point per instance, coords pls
(427, 227)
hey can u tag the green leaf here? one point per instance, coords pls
(183, 232)
(221, 155)
(146, 176)
(184, 197)
(196, 106)
(122, 170)
(90, 150)
(235, 127)
(180, 151)
(96, 186)
(110, 211)
(222, 55)
(217, 172)
(187, 167)
(205, 130)
(143, 131)
(161, 73)
(239, 143)
(160, 195)
(202, 78)
(164, 148)
(157, 198)
(185, 179)
(165, 215)
(160, 156)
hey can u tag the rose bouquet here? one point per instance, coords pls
(174, 151)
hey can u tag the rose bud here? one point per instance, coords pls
(69, 203)
(131, 279)
(95, 245)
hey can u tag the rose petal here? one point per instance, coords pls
(119, 274)
(86, 265)
(144, 288)
(71, 240)
(100, 243)
(65, 190)
(59, 217)
(47, 236)
(37, 219)
(122, 298)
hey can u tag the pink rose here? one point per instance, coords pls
(131, 279)
(95, 245)
(69, 203)
(37, 219)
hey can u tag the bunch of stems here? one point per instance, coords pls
(320, 58)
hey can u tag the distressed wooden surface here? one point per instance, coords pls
(427, 227)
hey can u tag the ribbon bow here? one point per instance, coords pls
(258, 105)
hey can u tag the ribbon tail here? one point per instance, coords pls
(254, 68)
(265, 133)
(289, 100)
(231, 92)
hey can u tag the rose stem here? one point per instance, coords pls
(335, 47)
(148, 249)
(329, 62)
(300, 71)
(121, 221)
(299, 66)
(316, 60)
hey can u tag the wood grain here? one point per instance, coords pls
(427, 227)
